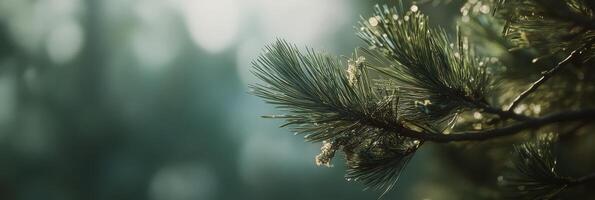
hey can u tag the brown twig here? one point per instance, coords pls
(586, 114)
(582, 180)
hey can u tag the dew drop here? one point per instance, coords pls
(537, 110)
(414, 8)
(535, 60)
(477, 115)
(373, 21)
(466, 18)
(427, 102)
(485, 9)
(465, 12)
(477, 126)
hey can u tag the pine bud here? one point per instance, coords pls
(327, 152)
(354, 70)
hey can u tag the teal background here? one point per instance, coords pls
(148, 99)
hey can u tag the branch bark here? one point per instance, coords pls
(505, 114)
(586, 114)
(583, 180)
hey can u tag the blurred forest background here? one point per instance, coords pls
(148, 99)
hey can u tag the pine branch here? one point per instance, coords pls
(338, 106)
(379, 124)
(330, 104)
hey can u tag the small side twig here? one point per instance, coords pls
(582, 180)
(505, 114)
(566, 135)
(545, 76)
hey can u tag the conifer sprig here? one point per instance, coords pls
(552, 26)
(436, 78)
(536, 174)
(338, 106)
(379, 120)
(319, 95)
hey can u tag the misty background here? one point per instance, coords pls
(149, 99)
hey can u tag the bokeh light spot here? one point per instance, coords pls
(183, 182)
(213, 24)
(64, 42)
(155, 43)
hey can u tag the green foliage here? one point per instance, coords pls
(536, 174)
(552, 26)
(436, 78)
(333, 103)
(378, 163)
(413, 80)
